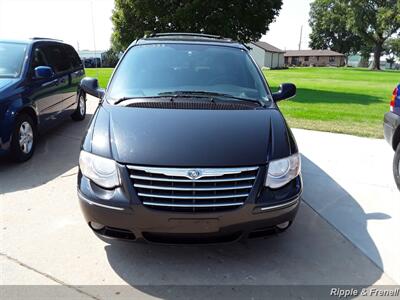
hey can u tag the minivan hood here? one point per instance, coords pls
(191, 138)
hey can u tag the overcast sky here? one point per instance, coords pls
(71, 21)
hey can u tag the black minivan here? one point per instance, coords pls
(39, 87)
(188, 145)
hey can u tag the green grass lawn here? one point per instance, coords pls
(342, 100)
(103, 74)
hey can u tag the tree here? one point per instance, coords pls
(330, 27)
(365, 52)
(110, 58)
(241, 20)
(390, 61)
(375, 21)
(349, 25)
(392, 49)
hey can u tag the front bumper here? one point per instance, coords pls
(140, 223)
(391, 128)
(124, 216)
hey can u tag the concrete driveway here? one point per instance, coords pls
(346, 232)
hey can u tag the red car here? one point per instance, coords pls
(392, 131)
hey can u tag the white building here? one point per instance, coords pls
(266, 55)
(355, 61)
(92, 59)
(91, 53)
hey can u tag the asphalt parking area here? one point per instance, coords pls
(45, 241)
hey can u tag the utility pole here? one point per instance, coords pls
(1, 4)
(94, 38)
(301, 34)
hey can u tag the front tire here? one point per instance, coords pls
(80, 112)
(396, 166)
(24, 138)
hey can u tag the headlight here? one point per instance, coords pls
(282, 171)
(100, 170)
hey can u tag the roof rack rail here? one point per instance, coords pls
(186, 34)
(44, 38)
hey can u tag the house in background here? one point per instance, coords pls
(266, 55)
(317, 58)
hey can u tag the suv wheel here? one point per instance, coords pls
(80, 112)
(396, 166)
(24, 138)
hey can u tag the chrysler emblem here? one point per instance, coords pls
(193, 174)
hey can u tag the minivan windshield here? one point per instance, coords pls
(12, 57)
(155, 70)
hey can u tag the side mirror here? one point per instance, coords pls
(91, 87)
(286, 91)
(44, 72)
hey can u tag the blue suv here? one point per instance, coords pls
(392, 131)
(39, 87)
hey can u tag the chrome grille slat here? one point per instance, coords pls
(191, 180)
(182, 172)
(167, 188)
(192, 196)
(176, 189)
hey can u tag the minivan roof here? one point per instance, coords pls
(31, 40)
(179, 37)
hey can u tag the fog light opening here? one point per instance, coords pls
(96, 226)
(283, 226)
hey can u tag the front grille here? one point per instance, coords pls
(174, 189)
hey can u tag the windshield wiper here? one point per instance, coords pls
(189, 94)
(140, 97)
(201, 94)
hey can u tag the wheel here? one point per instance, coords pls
(396, 166)
(24, 138)
(80, 112)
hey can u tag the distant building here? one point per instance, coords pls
(266, 55)
(317, 58)
(356, 62)
(91, 59)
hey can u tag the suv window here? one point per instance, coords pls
(73, 57)
(38, 58)
(57, 58)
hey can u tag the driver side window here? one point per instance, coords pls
(38, 60)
